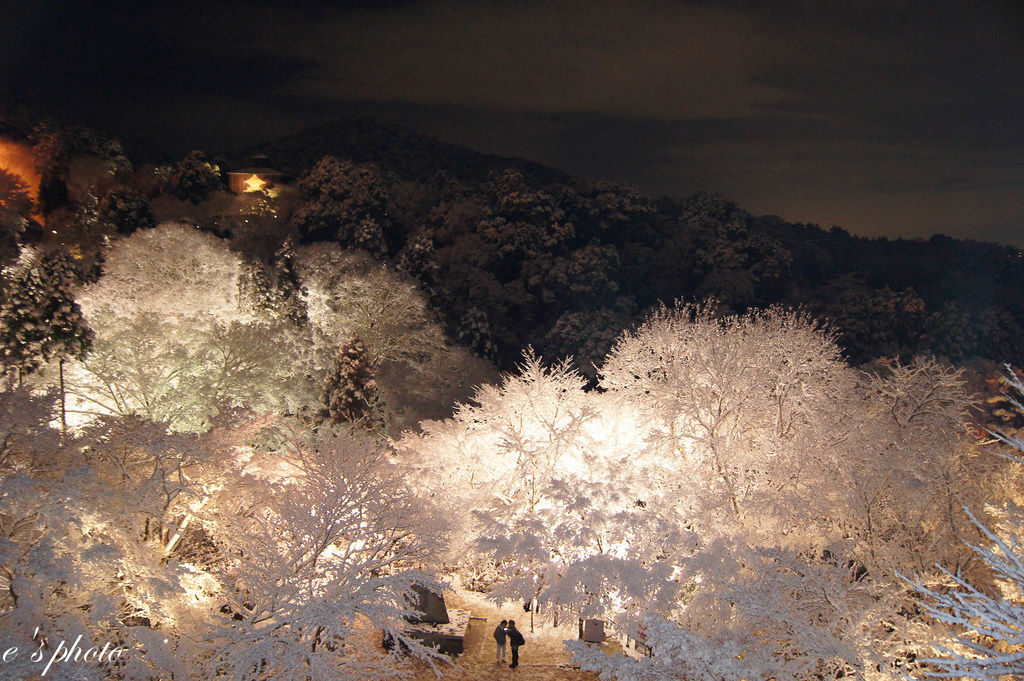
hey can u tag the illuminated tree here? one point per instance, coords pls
(759, 613)
(181, 332)
(206, 558)
(89, 532)
(174, 271)
(986, 620)
(551, 500)
(184, 376)
(902, 495)
(734, 398)
(808, 489)
(988, 624)
(719, 481)
(175, 343)
(312, 559)
(349, 294)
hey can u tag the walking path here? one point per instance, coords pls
(543, 658)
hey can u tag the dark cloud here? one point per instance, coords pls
(80, 53)
(898, 117)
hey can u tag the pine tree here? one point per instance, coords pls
(350, 393)
(40, 320)
(289, 293)
(279, 290)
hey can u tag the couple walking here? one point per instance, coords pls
(507, 631)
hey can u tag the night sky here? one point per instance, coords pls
(884, 117)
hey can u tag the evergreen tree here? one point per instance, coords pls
(195, 178)
(126, 211)
(419, 259)
(279, 291)
(344, 202)
(40, 319)
(289, 293)
(350, 392)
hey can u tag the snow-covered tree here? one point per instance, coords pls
(809, 488)
(720, 481)
(195, 178)
(174, 271)
(350, 392)
(346, 203)
(734, 401)
(88, 535)
(319, 549)
(40, 320)
(906, 470)
(986, 620)
(277, 290)
(552, 496)
(183, 375)
(987, 623)
(175, 342)
(350, 294)
(204, 558)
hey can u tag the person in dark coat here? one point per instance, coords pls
(515, 639)
(500, 635)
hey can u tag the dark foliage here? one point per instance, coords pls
(14, 193)
(344, 202)
(125, 211)
(40, 319)
(514, 254)
(195, 178)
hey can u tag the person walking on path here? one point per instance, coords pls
(500, 634)
(515, 639)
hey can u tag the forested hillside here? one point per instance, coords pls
(515, 254)
(512, 254)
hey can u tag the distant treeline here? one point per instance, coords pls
(514, 254)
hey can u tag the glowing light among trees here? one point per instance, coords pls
(255, 184)
(17, 159)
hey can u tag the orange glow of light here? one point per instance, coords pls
(255, 184)
(17, 158)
